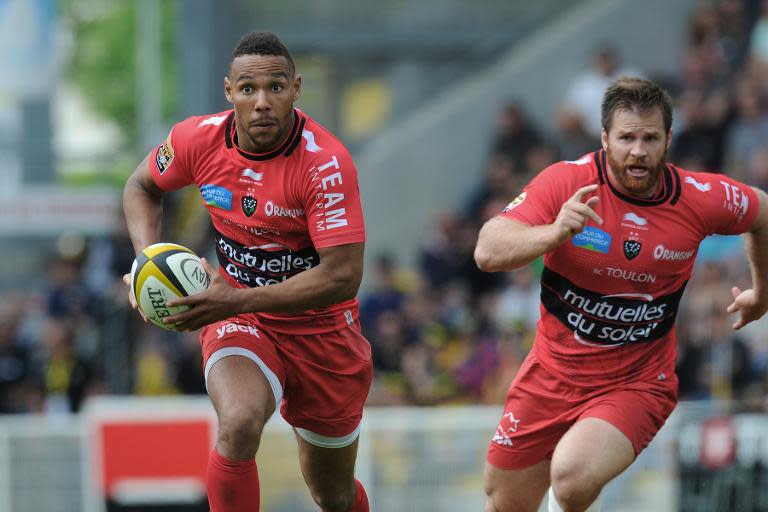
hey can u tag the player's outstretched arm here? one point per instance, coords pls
(752, 303)
(505, 244)
(143, 207)
(334, 280)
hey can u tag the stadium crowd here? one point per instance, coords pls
(444, 332)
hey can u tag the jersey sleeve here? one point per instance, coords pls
(169, 163)
(542, 198)
(332, 201)
(731, 206)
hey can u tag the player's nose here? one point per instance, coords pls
(261, 101)
(639, 149)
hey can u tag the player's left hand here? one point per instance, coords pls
(749, 306)
(216, 303)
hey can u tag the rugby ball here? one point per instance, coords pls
(162, 272)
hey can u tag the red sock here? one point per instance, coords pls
(361, 501)
(233, 485)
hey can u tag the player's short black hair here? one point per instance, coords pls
(631, 93)
(262, 43)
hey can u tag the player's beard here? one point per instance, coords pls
(644, 186)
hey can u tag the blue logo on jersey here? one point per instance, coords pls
(593, 239)
(217, 196)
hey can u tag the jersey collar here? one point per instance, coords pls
(671, 187)
(286, 148)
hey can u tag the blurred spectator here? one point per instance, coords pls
(68, 296)
(758, 38)
(698, 144)
(190, 379)
(18, 391)
(749, 132)
(515, 134)
(733, 376)
(500, 181)
(154, 371)
(385, 295)
(584, 95)
(68, 377)
(573, 140)
(517, 305)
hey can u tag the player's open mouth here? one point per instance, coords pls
(637, 172)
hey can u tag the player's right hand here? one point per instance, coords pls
(131, 298)
(576, 212)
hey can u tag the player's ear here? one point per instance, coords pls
(228, 89)
(604, 139)
(669, 138)
(296, 87)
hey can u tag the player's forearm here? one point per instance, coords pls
(504, 246)
(314, 288)
(756, 244)
(143, 214)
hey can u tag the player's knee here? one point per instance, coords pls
(490, 505)
(490, 498)
(240, 428)
(335, 500)
(573, 488)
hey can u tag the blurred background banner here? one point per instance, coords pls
(448, 108)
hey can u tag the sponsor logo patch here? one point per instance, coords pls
(312, 147)
(230, 328)
(250, 173)
(506, 428)
(635, 219)
(516, 201)
(665, 254)
(164, 157)
(736, 201)
(217, 196)
(593, 239)
(212, 121)
(249, 205)
(701, 187)
(632, 248)
(274, 210)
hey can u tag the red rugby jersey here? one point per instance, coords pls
(270, 211)
(609, 295)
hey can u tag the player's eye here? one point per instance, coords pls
(277, 87)
(247, 89)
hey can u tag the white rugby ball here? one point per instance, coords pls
(162, 272)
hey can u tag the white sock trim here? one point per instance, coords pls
(274, 382)
(328, 442)
(554, 506)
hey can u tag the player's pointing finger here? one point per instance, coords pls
(579, 195)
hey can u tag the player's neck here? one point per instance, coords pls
(244, 142)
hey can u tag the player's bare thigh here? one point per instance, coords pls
(518, 490)
(244, 401)
(590, 454)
